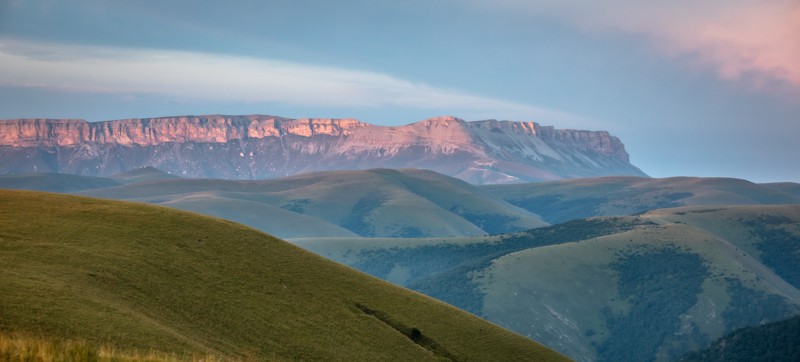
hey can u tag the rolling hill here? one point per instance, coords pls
(559, 201)
(373, 203)
(153, 278)
(634, 288)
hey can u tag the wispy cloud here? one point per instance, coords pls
(192, 75)
(752, 40)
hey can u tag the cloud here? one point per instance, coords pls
(751, 40)
(203, 76)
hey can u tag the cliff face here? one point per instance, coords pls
(154, 131)
(257, 146)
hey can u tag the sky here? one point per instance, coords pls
(692, 88)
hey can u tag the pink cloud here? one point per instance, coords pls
(758, 41)
(740, 40)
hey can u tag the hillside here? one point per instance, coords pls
(559, 201)
(374, 203)
(771, 342)
(261, 146)
(643, 288)
(147, 277)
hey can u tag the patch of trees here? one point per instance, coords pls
(659, 284)
(749, 307)
(297, 205)
(357, 221)
(780, 248)
(492, 223)
(773, 342)
(445, 271)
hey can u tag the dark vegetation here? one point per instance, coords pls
(780, 249)
(659, 285)
(554, 208)
(492, 223)
(773, 342)
(749, 307)
(444, 271)
(357, 221)
(297, 205)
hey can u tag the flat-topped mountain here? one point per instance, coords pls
(260, 146)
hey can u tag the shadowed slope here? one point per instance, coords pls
(378, 203)
(559, 201)
(148, 277)
(634, 288)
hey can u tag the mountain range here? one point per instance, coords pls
(261, 147)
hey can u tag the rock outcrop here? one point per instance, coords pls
(258, 146)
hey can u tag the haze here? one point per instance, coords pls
(696, 89)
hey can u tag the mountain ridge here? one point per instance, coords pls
(263, 146)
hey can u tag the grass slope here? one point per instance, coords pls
(640, 295)
(374, 203)
(643, 288)
(55, 182)
(151, 278)
(559, 201)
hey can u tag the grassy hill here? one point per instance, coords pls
(636, 288)
(563, 200)
(373, 203)
(152, 278)
(55, 182)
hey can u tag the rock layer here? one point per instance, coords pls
(258, 146)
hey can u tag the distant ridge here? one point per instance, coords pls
(262, 146)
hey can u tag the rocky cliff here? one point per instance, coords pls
(258, 146)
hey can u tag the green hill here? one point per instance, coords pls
(371, 203)
(151, 278)
(55, 182)
(643, 288)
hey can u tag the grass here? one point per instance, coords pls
(569, 295)
(380, 202)
(141, 277)
(23, 347)
(26, 347)
(576, 285)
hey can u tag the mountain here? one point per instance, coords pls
(259, 147)
(372, 203)
(771, 342)
(559, 201)
(153, 278)
(635, 288)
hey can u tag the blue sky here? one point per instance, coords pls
(694, 88)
